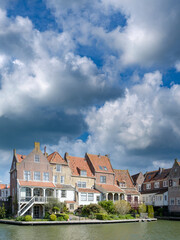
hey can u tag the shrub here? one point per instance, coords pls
(137, 216)
(53, 217)
(60, 218)
(101, 216)
(150, 211)
(91, 208)
(2, 211)
(64, 216)
(142, 208)
(56, 209)
(108, 206)
(122, 207)
(46, 215)
(20, 218)
(28, 218)
(53, 202)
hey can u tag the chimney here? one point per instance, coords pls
(160, 170)
(99, 155)
(45, 153)
(37, 146)
(14, 152)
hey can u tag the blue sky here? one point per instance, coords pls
(91, 76)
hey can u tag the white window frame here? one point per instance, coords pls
(46, 176)
(148, 185)
(58, 168)
(165, 183)
(102, 179)
(156, 185)
(55, 178)
(172, 201)
(36, 158)
(83, 196)
(178, 201)
(28, 175)
(83, 173)
(37, 173)
(90, 197)
(81, 184)
(62, 179)
(63, 193)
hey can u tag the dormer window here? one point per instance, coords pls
(100, 167)
(105, 168)
(83, 173)
(37, 158)
(122, 184)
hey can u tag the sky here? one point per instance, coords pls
(99, 76)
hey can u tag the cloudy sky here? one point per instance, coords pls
(99, 76)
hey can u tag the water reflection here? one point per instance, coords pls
(161, 230)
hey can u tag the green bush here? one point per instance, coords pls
(53, 217)
(113, 217)
(63, 215)
(53, 202)
(47, 215)
(101, 216)
(2, 211)
(91, 209)
(137, 216)
(108, 206)
(60, 219)
(142, 208)
(56, 209)
(28, 218)
(150, 211)
(20, 218)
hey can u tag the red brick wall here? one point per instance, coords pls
(109, 178)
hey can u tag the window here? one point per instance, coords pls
(27, 175)
(37, 158)
(164, 183)
(129, 198)
(156, 185)
(81, 184)
(62, 179)
(178, 201)
(103, 179)
(174, 183)
(55, 179)
(63, 193)
(165, 198)
(172, 201)
(83, 173)
(105, 168)
(139, 188)
(83, 197)
(90, 196)
(46, 176)
(71, 206)
(28, 192)
(100, 167)
(148, 186)
(37, 176)
(58, 168)
(122, 184)
(170, 183)
(97, 198)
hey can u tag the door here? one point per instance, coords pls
(36, 212)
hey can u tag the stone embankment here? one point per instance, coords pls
(71, 222)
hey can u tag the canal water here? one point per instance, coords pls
(160, 230)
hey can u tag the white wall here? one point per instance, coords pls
(88, 202)
(70, 196)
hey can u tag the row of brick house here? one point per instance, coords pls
(160, 188)
(37, 177)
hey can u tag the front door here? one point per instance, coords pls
(36, 212)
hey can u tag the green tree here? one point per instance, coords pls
(150, 211)
(122, 207)
(108, 206)
(53, 204)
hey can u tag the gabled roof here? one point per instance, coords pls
(100, 163)
(123, 176)
(135, 177)
(77, 164)
(157, 175)
(131, 191)
(55, 157)
(20, 157)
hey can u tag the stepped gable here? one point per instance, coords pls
(56, 158)
(77, 164)
(20, 157)
(100, 163)
(123, 176)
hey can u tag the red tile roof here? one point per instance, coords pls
(88, 190)
(2, 186)
(123, 176)
(36, 184)
(150, 175)
(100, 163)
(77, 164)
(55, 157)
(109, 188)
(20, 157)
(131, 191)
(157, 175)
